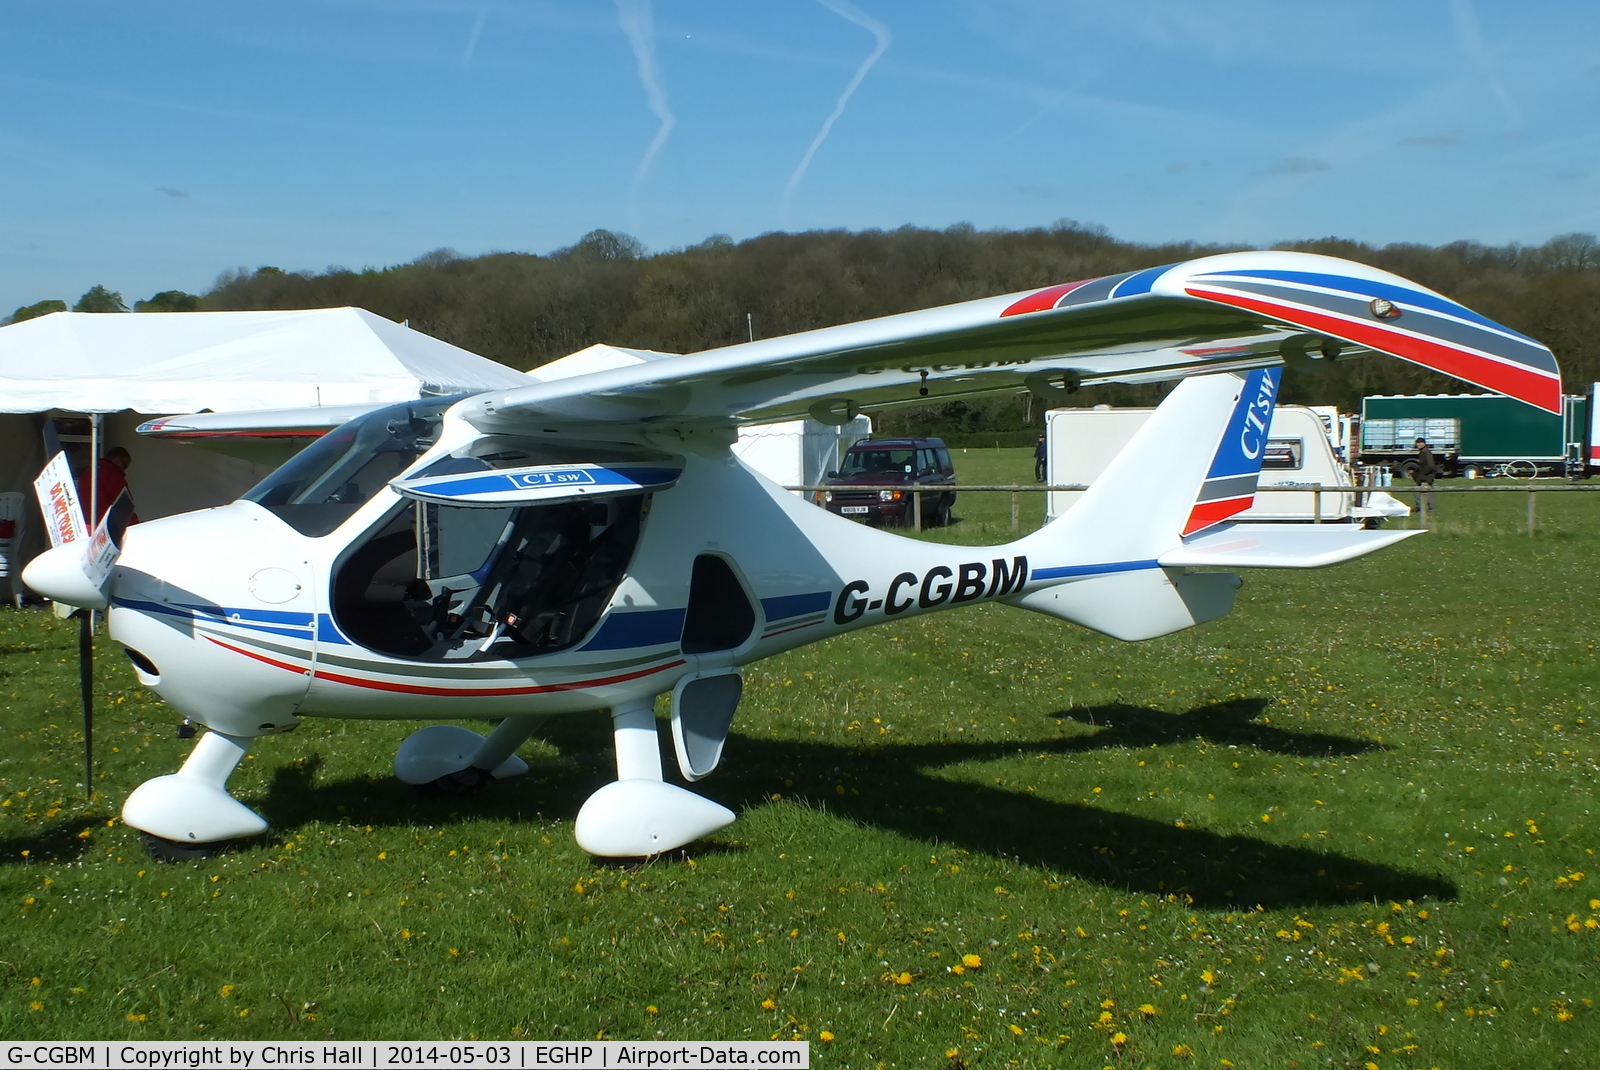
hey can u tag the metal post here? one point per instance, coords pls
(916, 509)
(1316, 504)
(94, 472)
(1531, 519)
(1016, 510)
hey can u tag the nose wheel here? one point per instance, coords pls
(189, 815)
(171, 851)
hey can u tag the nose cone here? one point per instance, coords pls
(60, 574)
(228, 649)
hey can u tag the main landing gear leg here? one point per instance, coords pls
(189, 814)
(456, 760)
(640, 814)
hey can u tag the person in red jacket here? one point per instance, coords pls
(113, 480)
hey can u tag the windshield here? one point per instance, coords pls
(330, 479)
(876, 462)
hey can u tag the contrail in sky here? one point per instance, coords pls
(472, 39)
(844, 9)
(1470, 33)
(639, 24)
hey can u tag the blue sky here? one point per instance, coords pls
(151, 146)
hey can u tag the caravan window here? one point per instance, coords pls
(1284, 454)
(330, 479)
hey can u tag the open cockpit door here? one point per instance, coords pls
(536, 484)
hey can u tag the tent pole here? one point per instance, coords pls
(94, 470)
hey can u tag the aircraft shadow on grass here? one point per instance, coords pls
(900, 788)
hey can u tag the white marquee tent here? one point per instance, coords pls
(133, 366)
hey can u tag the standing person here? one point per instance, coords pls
(1426, 472)
(1041, 455)
(112, 480)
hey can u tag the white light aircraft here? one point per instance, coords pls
(589, 543)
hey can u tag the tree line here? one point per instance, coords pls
(522, 309)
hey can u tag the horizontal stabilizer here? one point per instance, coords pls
(1279, 546)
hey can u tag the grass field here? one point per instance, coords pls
(1352, 824)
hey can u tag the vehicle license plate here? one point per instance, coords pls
(853, 510)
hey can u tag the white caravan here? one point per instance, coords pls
(1083, 442)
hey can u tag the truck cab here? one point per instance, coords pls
(881, 478)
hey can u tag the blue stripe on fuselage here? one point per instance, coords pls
(1066, 571)
(793, 605)
(655, 627)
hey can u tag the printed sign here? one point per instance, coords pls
(58, 499)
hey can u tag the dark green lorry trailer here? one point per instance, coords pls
(1475, 434)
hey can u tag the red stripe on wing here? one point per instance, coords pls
(1043, 300)
(1514, 380)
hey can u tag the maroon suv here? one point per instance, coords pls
(906, 466)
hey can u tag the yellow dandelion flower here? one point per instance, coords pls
(902, 978)
(1147, 1010)
(1183, 1051)
(245, 1013)
(1207, 976)
(971, 962)
(826, 1036)
(383, 855)
(1118, 1039)
(951, 1053)
(1015, 1028)
(1108, 1004)
(225, 991)
(769, 1005)
(37, 1006)
(652, 1009)
(958, 969)
(1105, 1017)
(136, 1017)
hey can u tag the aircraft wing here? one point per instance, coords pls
(1232, 311)
(308, 423)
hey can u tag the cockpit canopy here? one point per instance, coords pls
(324, 484)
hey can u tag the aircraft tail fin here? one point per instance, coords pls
(1192, 465)
(1120, 556)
